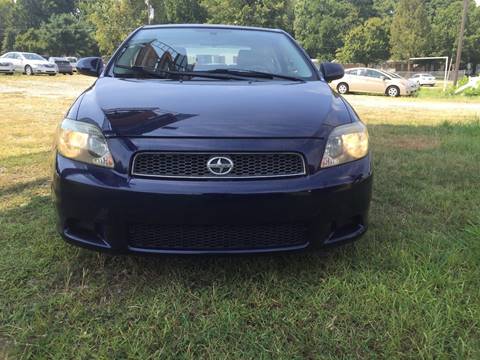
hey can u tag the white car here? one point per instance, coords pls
(30, 63)
(6, 67)
(423, 79)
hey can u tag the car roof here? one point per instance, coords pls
(211, 26)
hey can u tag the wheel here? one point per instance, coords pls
(393, 91)
(52, 74)
(70, 73)
(28, 70)
(10, 73)
(342, 88)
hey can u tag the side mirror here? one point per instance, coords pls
(90, 66)
(332, 71)
(383, 78)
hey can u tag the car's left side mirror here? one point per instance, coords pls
(90, 66)
(332, 71)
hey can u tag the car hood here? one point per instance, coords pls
(159, 108)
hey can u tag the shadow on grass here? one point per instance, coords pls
(17, 188)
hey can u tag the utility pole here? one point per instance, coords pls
(460, 42)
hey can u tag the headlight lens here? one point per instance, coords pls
(346, 143)
(83, 142)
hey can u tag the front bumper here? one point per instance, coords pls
(97, 208)
(45, 71)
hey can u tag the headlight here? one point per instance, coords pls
(83, 142)
(346, 143)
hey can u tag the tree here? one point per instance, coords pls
(320, 25)
(366, 43)
(6, 12)
(178, 11)
(113, 20)
(410, 30)
(32, 13)
(266, 13)
(63, 34)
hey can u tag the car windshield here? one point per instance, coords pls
(212, 50)
(396, 76)
(30, 56)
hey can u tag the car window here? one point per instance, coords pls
(374, 74)
(31, 56)
(203, 49)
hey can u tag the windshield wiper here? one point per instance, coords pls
(255, 74)
(167, 74)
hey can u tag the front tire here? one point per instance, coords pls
(28, 70)
(342, 88)
(393, 91)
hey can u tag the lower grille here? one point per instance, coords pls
(195, 165)
(216, 237)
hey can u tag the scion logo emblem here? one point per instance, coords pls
(220, 165)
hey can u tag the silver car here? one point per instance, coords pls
(30, 63)
(6, 67)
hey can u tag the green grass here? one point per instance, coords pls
(409, 289)
(437, 93)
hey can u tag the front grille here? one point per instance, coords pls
(194, 165)
(216, 237)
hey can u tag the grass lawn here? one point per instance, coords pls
(409, 289)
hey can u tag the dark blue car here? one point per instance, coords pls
(211, 139)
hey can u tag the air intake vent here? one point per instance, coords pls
(208, 166)
(216, 237)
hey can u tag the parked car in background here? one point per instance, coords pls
(6, 67)
(63, 65)
(30, 63)
(73, 61)
(395, 75)
(375, 81)
(424, 79)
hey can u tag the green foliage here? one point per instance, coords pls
(410, 30)
(32, 13)
(113, 20)
(320, 24)
(323, 27)
(62, 35)
(366, 43)
(178, 11)
(445, 29)
(266, 13)
(6, 10)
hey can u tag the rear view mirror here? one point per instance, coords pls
(90, 66)
(332, 71)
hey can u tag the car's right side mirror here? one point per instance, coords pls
(90, 66)
(332, 71)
